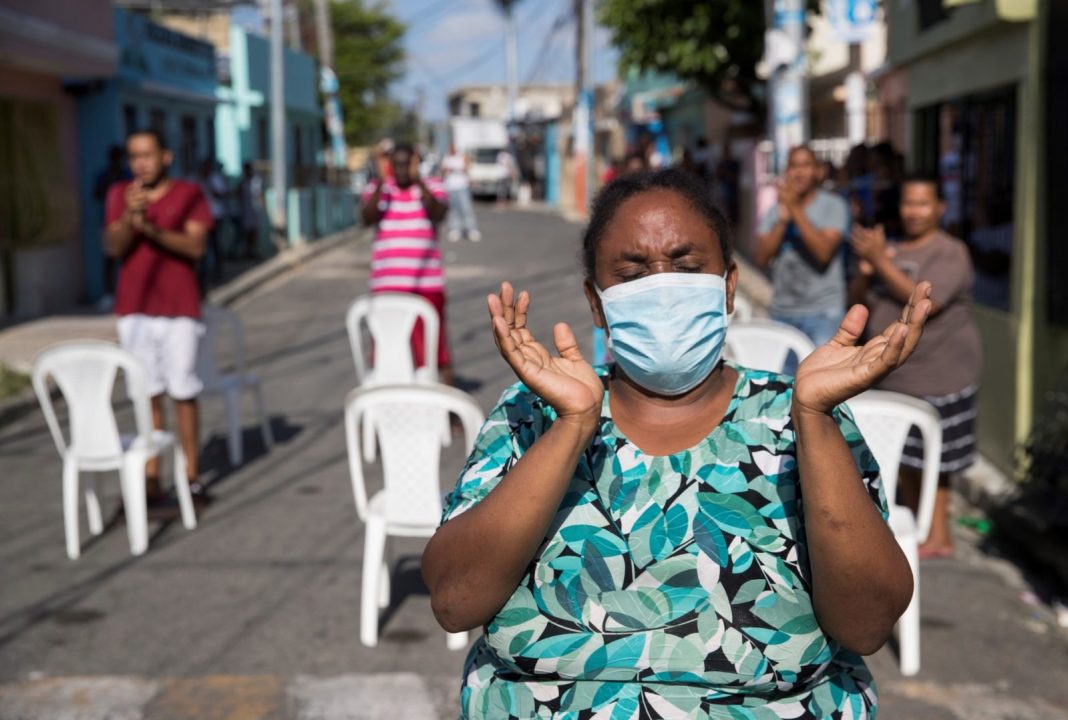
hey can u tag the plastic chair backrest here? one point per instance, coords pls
(216, 319)
(743, 310)
(84, 372)
(407, 420)
(885, 418)
(765, 344)
(391, 317)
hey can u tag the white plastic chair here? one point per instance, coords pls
(85, 373)
(743, 309)
(765, 344)
(231, 385)
(406, 421)
(390, 318)
(884, 418)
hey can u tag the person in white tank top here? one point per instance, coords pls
(462, 222)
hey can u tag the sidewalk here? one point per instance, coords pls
(20, 344)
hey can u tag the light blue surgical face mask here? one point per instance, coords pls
(667, 330)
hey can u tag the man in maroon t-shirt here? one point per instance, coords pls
(158, 228)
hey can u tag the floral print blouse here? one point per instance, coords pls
(669, 586)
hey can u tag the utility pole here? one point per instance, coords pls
(328, 84)
(789, 87)
(512, 59)
(580, 129)
(324, 35)
(278, 123)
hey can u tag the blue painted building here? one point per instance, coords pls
(243, 119)
(166, 81)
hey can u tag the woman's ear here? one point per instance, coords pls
(595, 303)
(732, 285)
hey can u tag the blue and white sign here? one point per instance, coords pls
(853, 21)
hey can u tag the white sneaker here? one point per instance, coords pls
(454, 236)
(474, 236)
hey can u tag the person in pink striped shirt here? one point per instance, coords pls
(406, 255)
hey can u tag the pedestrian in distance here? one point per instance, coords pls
(632, 537)
(406, 256)
(250, 206)
(945, 368)
(217, 192)
(462, 221)
(800, 240)
(157, 227)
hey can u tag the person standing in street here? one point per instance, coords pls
(217, 192)
(945, 368)
(800, 240)
(462, 222)
(250, 205)
(406, 254)
(158, 228)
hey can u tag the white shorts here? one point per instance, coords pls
(167, 348)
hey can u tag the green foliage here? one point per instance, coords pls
(715, 43)
(12, 382)
(368, 56)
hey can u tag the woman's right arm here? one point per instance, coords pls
(476, 560)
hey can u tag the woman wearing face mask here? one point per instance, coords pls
(632, 538)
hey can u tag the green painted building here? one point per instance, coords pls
(987, 112)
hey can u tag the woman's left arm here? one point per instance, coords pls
(861, 581)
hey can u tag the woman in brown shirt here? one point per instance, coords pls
(945, 368)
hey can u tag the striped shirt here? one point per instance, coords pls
(406, 256)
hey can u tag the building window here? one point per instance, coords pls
(298, 156)
(129, 120)
(187, 149)
(475, 109)
(970, 143)
(157, 121)
(209, 134)
(261, 137)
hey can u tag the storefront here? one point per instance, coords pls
(165, 81)
(44, 46)
(978, 84)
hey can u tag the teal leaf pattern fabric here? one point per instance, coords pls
(667, 587)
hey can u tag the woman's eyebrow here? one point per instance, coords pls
(631, 256)
(681, 251)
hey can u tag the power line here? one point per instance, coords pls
(562, 21)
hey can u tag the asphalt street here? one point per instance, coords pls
(254, 614)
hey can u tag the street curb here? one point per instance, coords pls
(288, 259)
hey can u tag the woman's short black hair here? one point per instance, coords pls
(623, 188)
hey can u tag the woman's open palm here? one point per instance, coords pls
(566, 381)
(841, 369)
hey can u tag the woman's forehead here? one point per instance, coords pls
(657, 221)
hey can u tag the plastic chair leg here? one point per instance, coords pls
(70, 508)
(456, 641)
(261, 411)
(181, 489)
(383, 587)
(374, 546)
(908, 637)
(92, 506)
(133, 495)
(233, 427)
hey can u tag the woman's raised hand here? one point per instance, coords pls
(839, 370)
(567, 382)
